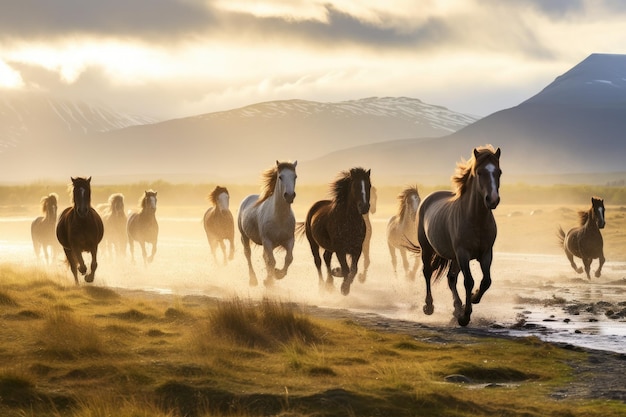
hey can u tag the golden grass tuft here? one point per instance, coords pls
(266, 325)
(64, 335)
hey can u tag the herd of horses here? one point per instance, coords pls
(447, 228)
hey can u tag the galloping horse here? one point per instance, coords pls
(455, 227)
(338, 227)
(80, 229)
(42, 228)
(219, 224)
(368, 234)
(585, 241)
(268, 220)
(402, 230)
(142, 227)
(114, 219)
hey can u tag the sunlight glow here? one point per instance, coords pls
(9, 78)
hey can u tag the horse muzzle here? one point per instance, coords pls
(289, 197)
(364, 208)
(492, 201)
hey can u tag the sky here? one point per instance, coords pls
(177, 58)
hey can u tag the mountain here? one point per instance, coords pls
(234, 145)
(575, 125)
(26, 116)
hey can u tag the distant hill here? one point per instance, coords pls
(574, 128)
(232, 145)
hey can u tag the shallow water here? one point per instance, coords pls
(530, 293)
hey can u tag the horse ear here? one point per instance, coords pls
(475, 153)
(295, 163)
(89, 180)
(369, 171)
(498, 153)
(277, 163)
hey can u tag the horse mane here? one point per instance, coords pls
(466, 169)
(46, 200)
(269, 178)
(216, 193)
(340, 188)
(406, 193)
(110, 203)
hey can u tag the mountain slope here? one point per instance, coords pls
(575, 125)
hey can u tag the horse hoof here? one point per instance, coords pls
(362, 277)
(253, 282)
(579, 270)
(268, 283)
(336, 272)
(429, 309)
(345, 289)
(464, 321)
(89, 278)
(598, 273)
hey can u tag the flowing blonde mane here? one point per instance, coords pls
(45, 201)
(216, 193)
(402, 197)
(269, 178)
(466, 169)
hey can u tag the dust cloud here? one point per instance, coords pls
(528, 265)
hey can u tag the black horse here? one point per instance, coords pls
(80, 229)
(337, 226)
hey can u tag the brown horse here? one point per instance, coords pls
(219, 225)
(42, 229)
(338, 227)
(402, 230)
(143, 228)
(585, 241)
(114, 219)
(455, 227)
(80, 229)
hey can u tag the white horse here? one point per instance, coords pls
(268, 220)
(368, 234)
(402, 230)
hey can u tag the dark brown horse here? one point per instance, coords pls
(80, 229)
(219, 225)
(585, 241)
(338, 227)
(455, 227)
(142, 227)
(402, 230)
(42, 229)
(115, 219)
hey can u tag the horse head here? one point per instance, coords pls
(49, 205)
(487, 171)
(149, 201)
(361, 188)
(81, 195)
(597, 205)
(286, 184)
(220, 198)
(413, 201)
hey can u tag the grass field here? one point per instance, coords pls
(87, 351)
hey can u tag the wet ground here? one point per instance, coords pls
(532, 294)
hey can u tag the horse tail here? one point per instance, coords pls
(410, 246)
(439, 266)
(560, 234)
(300, 229)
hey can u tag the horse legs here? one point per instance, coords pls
(153, 251)
(599, 270)
(366, 260)
(468, 282)
(329, 273)
(231, 252)
(394, 260)
(349, 274)
(485, 283)
(223, 248)
(427, 268)
(94, 265)
(570, 256)
(280, 273)
(245, 241)
(453, 274)
(72, 261)
(587, 265)
(405, 262)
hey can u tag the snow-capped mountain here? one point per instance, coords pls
(574, 127)
(423, 115)
(31, 116)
